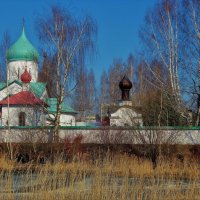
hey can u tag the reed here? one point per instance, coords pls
(113, 177)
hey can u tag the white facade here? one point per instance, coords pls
(16, 68)
(34, 116)
(65, 119)
(126, 117)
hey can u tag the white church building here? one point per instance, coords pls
(23, 100)
(124, 113)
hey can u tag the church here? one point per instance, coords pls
(23, 100)
(123, 113)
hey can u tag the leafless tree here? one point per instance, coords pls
(68, 40)
(160, 34)
(84, 98)
(104, 88)
(154, 139)
(80, 99)
(190, 46)
(92, 93)
(107, 136)
(4, 45)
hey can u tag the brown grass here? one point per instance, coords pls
(114, 177)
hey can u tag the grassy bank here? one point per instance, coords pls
(114, 177)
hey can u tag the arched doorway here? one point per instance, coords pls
(22, 119)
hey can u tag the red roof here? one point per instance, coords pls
(23, 98)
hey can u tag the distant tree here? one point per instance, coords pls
(81, 97)
(130, 66)
(47, 74)
(4, 45)
(104, 84)
(115, 73)
(92, 93)
(85, 99)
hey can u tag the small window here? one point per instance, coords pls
(22, 119)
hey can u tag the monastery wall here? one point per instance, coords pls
(103, 135)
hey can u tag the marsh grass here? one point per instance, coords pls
(113, 177)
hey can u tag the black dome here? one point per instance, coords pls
(125, 83)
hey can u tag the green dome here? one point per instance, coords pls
(22, 50)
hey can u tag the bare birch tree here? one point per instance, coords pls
(190, 28)
(69, 40)
(160, 34)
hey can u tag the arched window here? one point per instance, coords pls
(22, 119)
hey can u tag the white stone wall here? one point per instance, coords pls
(125, 117)
(65, 119)
(31, 118)
(103, 136)
(16, 67)
(24, 135)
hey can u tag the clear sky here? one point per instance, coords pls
(118, 23)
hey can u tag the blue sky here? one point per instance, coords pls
(118, 23)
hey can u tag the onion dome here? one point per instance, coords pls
(125, 83)
(22, 49)
(26, 77)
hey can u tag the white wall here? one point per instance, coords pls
(31, 118)
(65, 120)
(101, 135)
(125, 116)
(19, 66)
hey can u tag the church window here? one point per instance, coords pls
(38, 114)
(22, 119)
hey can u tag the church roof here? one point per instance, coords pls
(125, 83)
(22, 49)
(52, 102)
(22, 98)
(37, 88)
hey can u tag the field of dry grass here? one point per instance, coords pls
(114, 177)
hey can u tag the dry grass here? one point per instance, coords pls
(118, 177)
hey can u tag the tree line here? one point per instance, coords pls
(166, 73)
